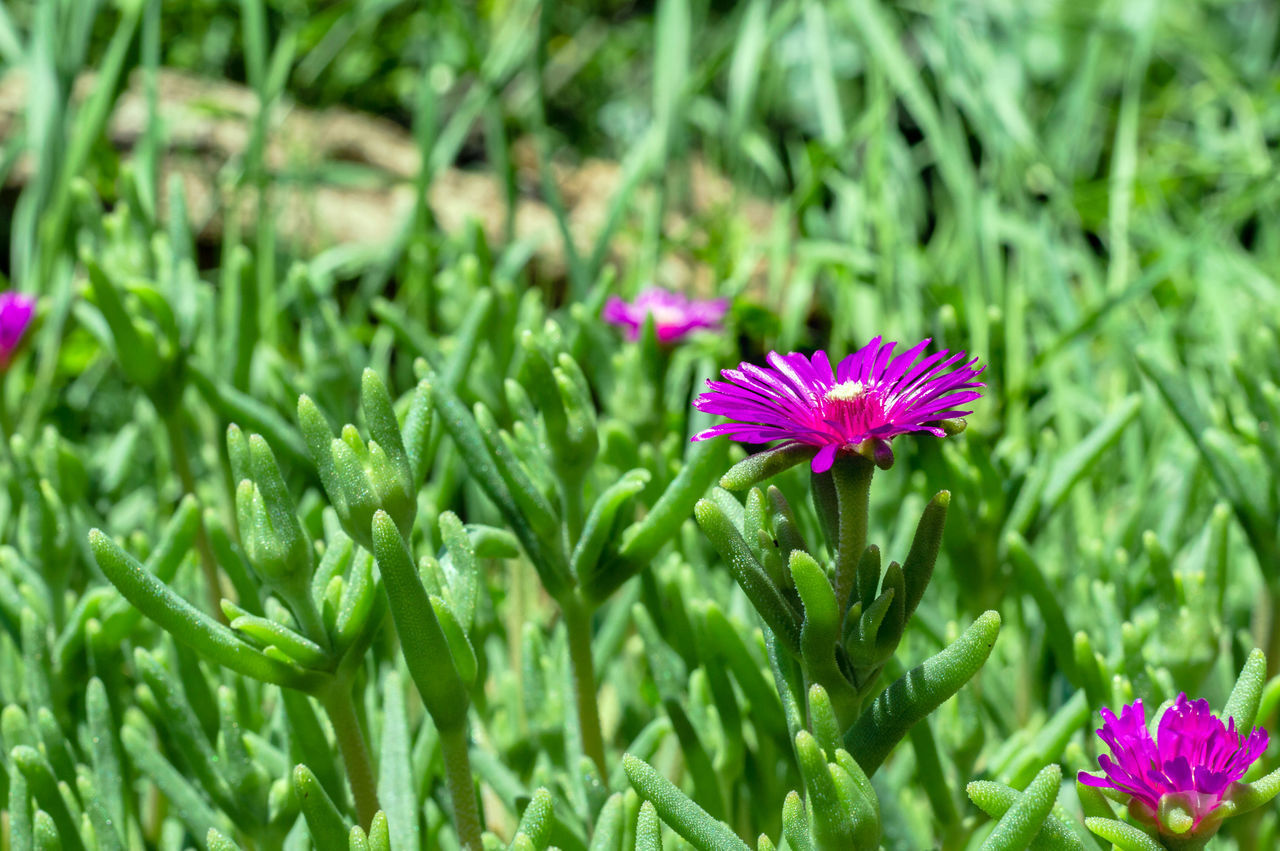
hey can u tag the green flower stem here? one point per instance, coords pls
(577, 621)
(182, 464)
(457, 771)
(852, 476)
(341, 709)
(6, 421)
(571, 500)
(434, 671)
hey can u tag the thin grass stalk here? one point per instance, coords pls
(577, 621)
(341, 709)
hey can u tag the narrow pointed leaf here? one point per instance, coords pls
(1242, 705)
(919, 692)
(329, 830)
(917, 568)
(763, 465)
(1020, 824)
(185, 622)
(680, 813)
(764, 595)
(426, 650)
(1124, 836)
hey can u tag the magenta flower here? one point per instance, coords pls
(16, 311)
(872, 395)
(673, 314)
(1194, 757)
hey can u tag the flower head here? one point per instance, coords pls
(871, 395)
(674, 315)
(1194, 757)
(16, 311)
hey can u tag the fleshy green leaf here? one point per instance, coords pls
(795, 823)
(1027, 816)
(395, 771)
(998, 801)
(641, 541)
(1123, 836)
(681, 814)
(426, 650)
(329, 830)
(187, 623)
(1242, 705)
(764, 595)
(609, 826)
(44, 790)
(819, 633)
(648, 829)
(535, 822)
(919, 692)
(470, 442)
(830, 821)
(763, 465)
(917, 568)
(599, 523)
(1250, 796)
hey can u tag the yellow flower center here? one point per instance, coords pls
(853, 408)
(847, 391)
(666, 314)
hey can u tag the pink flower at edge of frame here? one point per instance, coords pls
(16, 312)
(1194, 756)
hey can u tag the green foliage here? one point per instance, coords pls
(226, 456)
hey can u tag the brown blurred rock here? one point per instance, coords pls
(207, 126)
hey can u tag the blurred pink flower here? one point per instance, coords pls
(16, 311)
(674, 315)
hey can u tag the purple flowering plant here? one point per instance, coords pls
(1193, 756)
(482, 562)
(836, 615)
(1181, 778)
(674, 315)
(870, 397)
(579, 493)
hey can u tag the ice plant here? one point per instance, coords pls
(16, 310)
(1178, 781)
(870, 397)
(674, 315)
